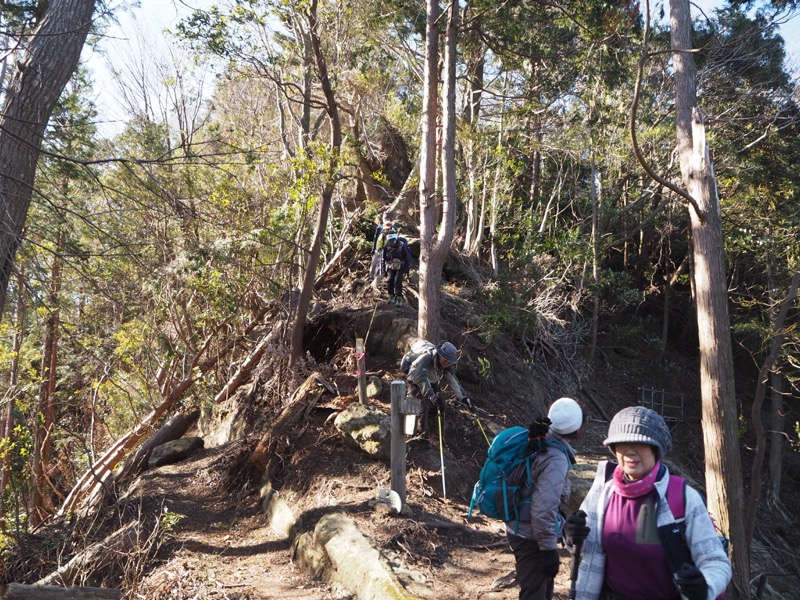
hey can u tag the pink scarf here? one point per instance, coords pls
(634, 489)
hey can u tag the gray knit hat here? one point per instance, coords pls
(640, 425)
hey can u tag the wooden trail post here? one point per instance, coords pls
(404, 415)
(361, 371)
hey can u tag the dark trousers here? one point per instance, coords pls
(533, 584)
(395, 280)
(430, 408)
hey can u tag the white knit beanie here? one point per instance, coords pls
(565, 416)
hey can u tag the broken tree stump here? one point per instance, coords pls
(277, 442)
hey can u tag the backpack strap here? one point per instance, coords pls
(676, 497)
(673, 535)
(563, 448)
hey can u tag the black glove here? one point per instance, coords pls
(692, 583)
(550, 563)
(468, 403)
(575, 529)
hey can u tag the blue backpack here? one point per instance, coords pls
(497, 494)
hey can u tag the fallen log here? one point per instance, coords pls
(171, 430)
(96, 556)
(19, 591)
(246, 368)
(91, 486)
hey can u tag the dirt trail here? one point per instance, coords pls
(221, 546)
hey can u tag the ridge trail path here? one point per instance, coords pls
(221, 545)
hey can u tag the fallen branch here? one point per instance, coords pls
(96, 556)
(246, 367)
(19, 591)
(92, 485)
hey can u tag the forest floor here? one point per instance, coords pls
(222, 546)
(219, 545)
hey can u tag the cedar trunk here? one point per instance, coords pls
(42, 71)
(719, 409)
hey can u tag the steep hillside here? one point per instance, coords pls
(217, 542)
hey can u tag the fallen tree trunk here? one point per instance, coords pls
(171, 430)
(247, 366)
(19, 591)
(96, 556)
(269, 453)
(93, 484)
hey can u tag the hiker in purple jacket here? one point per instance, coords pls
(533, 537)
(623, 557)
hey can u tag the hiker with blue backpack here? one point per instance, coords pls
(641, 532)
(533, 528)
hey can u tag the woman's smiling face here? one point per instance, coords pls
(636, 460)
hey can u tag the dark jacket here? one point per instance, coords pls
(401, 251)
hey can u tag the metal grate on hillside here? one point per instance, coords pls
(668, 404)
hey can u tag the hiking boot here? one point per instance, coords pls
(399, 301)
(391, 299)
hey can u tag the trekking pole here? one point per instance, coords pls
(576, 561)
(441, 454)
(486, 437)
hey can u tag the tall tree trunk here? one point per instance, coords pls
(595, 258)
(42, 71)
(428, 276)
(495, 200)
(43, 442)
(720, 419)
(8, 416)
(310, 274)
(778, 333)
(777, 439)
(429, 311)
(475, 57)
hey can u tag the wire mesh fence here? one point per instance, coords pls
(669, 405)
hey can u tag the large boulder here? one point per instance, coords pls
(366, 427)
(174, 451)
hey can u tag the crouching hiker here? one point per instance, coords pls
(425, 365)
(543, 487)
(644, 532)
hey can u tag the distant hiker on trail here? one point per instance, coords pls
(426, 364)
(378, 242)
(630, 523)
(534, 534)
(395, 264)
